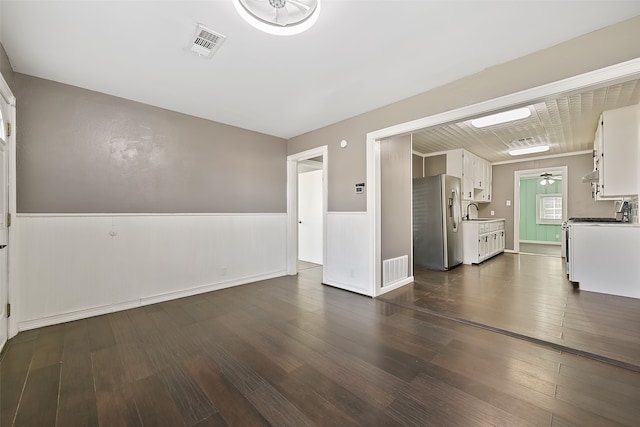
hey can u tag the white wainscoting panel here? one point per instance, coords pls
(68, 267)
(347, 263)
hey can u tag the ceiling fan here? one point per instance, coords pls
(548, 179)
(281, 13)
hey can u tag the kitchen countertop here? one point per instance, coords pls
(604, 224)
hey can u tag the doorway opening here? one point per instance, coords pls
(310, 229)
(540, 207)
(307, 201)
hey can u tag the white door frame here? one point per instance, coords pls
(517, 176)
(604, 76)
(6, 93)
(292, 206)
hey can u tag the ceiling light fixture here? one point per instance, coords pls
(504, 117)
(279, 17)
(529, 150)
(546, 179)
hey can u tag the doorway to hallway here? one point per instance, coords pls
(540, 207)
(307, 201)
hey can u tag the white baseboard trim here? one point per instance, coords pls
(346, 287)
(395, 285)
(127, 305)
(510, 251)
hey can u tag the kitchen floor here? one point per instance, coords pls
(529, 297)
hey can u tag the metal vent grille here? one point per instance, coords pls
(206, 42)
(394, 270)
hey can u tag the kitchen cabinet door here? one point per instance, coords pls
(475, 173)
(489, 181)
(619, 144)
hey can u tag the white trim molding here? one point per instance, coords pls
(292, 205)
(517, 176)
(5, 92)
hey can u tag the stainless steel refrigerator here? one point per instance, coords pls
(437, 227)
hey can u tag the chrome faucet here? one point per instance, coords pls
(469, 205)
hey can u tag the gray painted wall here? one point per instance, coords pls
(590, 52)
(418, 164)
(579, 201)
(435, 165)
(396, 184)
(85, 152)
(429, 166)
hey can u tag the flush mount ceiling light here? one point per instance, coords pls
(529, 150)
(546, 179)
(504, 117)
(280, 17)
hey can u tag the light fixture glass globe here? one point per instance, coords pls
(279, 17)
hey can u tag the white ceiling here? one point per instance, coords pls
(359, 56)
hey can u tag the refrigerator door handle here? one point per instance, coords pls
(454, 209)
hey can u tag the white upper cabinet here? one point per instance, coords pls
(617, 153)
(475, 173)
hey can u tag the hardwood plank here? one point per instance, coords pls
(108, 372)
(48, 350)
(39, 401)
(616, 406)
(352, 405)
(14, 368)
(264, 397)
(116, 407)
(435, 396)
(193, 404)
(497, 396)
(232, 405)
(214, 420)
(100, 333)
(135, 361)
(155, 405)
(269, 348)
(77, 403)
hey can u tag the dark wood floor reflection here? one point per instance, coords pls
(530, 295)
(291, 352)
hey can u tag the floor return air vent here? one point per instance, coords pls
(395, 270)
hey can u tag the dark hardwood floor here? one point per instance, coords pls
(290, 351)
(531, 296)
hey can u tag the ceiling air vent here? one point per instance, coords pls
(206, 41)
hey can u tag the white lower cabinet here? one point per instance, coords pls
(604, 258)
(482, 240)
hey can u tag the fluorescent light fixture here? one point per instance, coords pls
(504, 117)
(529, 150)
